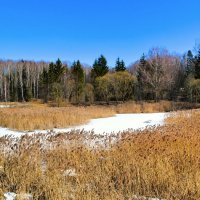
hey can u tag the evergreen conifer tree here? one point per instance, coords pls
(100, 67)
(78, 75)
(197, 66)
(140, 76)
(44, 80)
(26, 88)
(58, 70)
(190, 63)
(120, 65)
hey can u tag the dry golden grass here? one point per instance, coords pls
(144, 107)
(40, 117)
(36, 115)
(153, 107)
(162, 162)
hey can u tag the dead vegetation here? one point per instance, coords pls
(159, 163)
(34, 118)
(38, 116)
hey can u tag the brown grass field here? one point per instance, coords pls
(33, 118)
(161, 163)
(38, 116)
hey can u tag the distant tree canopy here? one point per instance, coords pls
(120, 65)
(118, 86)
(140, 74)
(51, 81)
(100, 67)
(197, 66)
(157, 75)
(189, 63)
(78, 76)
(56, 71)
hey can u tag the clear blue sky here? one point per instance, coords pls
(84, 29)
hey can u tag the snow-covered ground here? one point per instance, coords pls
(121, 122)
(13, 196)
(5, 106)
(102, 126)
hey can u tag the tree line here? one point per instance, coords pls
(158, 75)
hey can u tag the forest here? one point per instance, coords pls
(157, 75)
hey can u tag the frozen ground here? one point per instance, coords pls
(102, 126)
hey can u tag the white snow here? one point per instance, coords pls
(102, 126)
(70, 172)
(5, 106)
(10, 196)
(6, 131)
(121, 122)
(13, 196)
(135, 197)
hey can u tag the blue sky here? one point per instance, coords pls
(84, 29)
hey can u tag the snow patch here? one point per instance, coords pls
(70, 172)
(13, 196)
(5, 106)
(120, 123)
(135, 197)
(10, 196)
(104, 126)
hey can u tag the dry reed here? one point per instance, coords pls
(34, 118)
(161, 162)
(38, 116)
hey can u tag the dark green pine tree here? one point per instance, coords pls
(120, 65)
(140, 77)
(44, 84)
(78, 72)
(141, 68)
(24, 79)
(78, 75)
(58, 70)
(55, 76)
(100, 67)
(51, 75)
(197, 66)
(44, 76)
(26, 88)
(190, 63)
